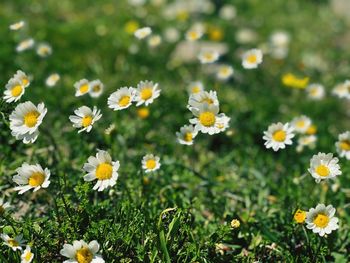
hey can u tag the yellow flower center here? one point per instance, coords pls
(322, 170)
(208, 56)
(252, 58)
(143, 113)
(300, 216)
(31, 118)
(84, 255)
(300, 124)
(124, 101)
(311, 130)
(36, 179)
(96, 88)
(196, 89)
(207, 118)
(321, 220)
(146, 93)
(345, 145)
(151, 164)
(104, 171)
(86, 121)
(12, 242)
(188, 137)
(207, 100)
(193, 35)
(279, 136)
(16, 90)
(84, 88)
(25, 81)
(28, 255)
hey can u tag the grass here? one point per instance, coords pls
(183, 211)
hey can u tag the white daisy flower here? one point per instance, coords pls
(81, 252)
(196, 100)
(194, 34)
(25, 45)
(85, 118)
(343, 145)
(102, 169)
(342, 90)
(306, 141)
(121, 99)
(17, 26)
(222, 122)
(96, 88)
(27, 255)
(13, 243)
(186, 135)
(224, 72)
(31, 177)
(146, 92)
(207, 118)
(278, 135)
(228, 12)
(252, 58)
(44, 50)
(208, 56)
(14, 90)
(195, 87)
(154, 41)
(52, 80)
(22, 77)
(143, 32)
(25, 121)
(301, 124)
(315, 91)
(324, 166)
(4, 206)
(81, 87)
(150, 163)
(321, 219)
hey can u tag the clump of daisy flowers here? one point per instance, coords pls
(94, 88)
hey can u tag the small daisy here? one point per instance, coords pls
(14, 90)
(342, 90)
(224, 72)
(142, 33)
(196, 100)
(306, 140)
(22, 77)
(278, 135)
(13, 243)
(154, 41)
(321, 219)
(27, 255)
(25, 45)
(102, 169)
(207, 118)
(81, 252)
(52, 80)
(146, 92)
(315, 91)
(195, 87)
(31, 177)
(208, 56)
(121, 99)
(252, 58)
(44, 50)
(301, 124)
(150, 163)
(17, 25)
(4, 206)
(324, 166)
(96, 88)
(343, 145)
(194, 34)
(186, 135)
(81, 87)
(222, 122)
(25, 121)
(85, 118)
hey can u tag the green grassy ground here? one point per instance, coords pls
(183, 211)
